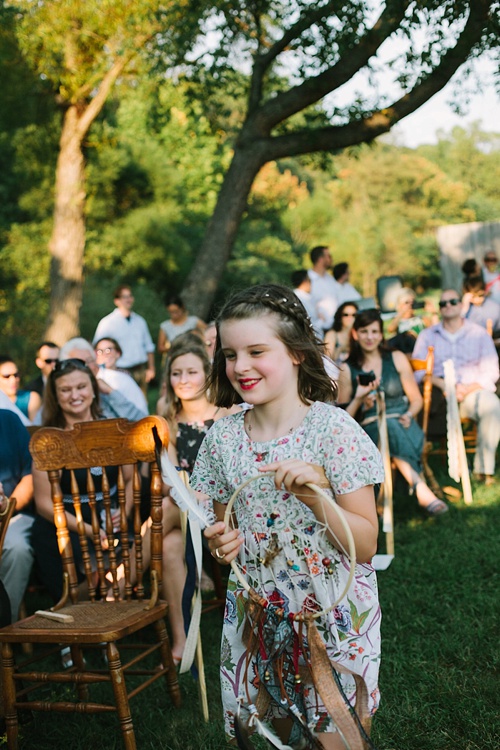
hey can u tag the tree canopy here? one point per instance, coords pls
(299, 56)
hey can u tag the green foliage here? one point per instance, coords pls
(381, 212)
(471, 156)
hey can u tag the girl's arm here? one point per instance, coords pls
(410, 387)
(358, 506)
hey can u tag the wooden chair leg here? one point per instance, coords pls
(78, 661)
(168, 663)
(26, 647)
(9, 696)
(121, 697)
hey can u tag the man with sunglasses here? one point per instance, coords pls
(46, 357)
(475, 358)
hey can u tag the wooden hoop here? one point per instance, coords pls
(350, 554)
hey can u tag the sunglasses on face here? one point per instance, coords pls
(453, 302)
(11, 375)
(490, 260)
(50, 361)
(74, 363)
(348, 315)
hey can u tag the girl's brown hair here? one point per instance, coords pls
(294, 330)
(52, 414)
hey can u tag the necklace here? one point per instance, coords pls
(248, 428)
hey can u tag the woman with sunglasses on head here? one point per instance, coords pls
(71, 396)
(391, 372)
(28, 402)
(338, 337)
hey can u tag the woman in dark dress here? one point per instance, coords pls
(403, 401)
(71, 396)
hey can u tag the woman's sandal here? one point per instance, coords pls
(436, 508)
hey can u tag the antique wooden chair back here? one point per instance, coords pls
(118, 601)
(92, 448)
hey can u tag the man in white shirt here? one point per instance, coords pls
(323, 285)
(345, 291)
(302, 288)
(132, 333)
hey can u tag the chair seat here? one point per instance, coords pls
(93, 623)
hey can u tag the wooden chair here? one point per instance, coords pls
(469, 430)
(427, 365)
(96, 622)
(5, 515)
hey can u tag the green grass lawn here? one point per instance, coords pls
(439, 677)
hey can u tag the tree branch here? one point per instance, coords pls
(288, 103)
(368, 128)
(97, 102)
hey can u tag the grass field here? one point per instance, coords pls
(439, 677)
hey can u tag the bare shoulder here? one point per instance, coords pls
(401, 361)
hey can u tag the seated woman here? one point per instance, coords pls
(180, 322)
(189, 412)
(71, 396)
(338, 337)
(28, 402)
(405, 326)
(403, 400)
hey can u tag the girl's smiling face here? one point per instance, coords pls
(258, 365)
(187, 377)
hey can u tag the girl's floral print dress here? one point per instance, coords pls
(329, 437)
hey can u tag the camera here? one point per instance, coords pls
(365, 378)
(418, 305)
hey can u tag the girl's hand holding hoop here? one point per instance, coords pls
(293, 474)
(223, 545)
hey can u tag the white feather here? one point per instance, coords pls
(183, 495)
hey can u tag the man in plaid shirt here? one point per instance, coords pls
(476, 368)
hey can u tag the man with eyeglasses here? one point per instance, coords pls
(132, 333)
(475, 358)
(46, 357)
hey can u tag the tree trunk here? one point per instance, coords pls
(67, 242)
(201, 285)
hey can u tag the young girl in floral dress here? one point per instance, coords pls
(268, 356)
